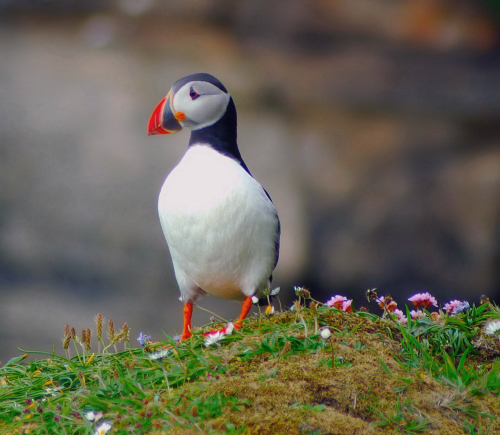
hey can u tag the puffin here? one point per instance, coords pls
(220, 224)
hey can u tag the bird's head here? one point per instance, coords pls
(195, 101)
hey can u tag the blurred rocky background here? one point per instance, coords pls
(374, 125)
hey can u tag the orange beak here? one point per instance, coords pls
(163, 120)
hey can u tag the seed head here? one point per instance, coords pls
(67, 337)
(87, 338)
(301, 291)
(111, 330)
(126, 332)
(117, 338)
(98, 324)
(314, 308)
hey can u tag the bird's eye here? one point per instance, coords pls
(193, 94)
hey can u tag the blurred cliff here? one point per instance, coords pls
(375, 127)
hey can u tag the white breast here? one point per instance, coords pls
(220, 226)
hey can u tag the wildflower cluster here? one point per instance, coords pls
(456, 306)
(425, 300)
(101, 428)
(421, 302)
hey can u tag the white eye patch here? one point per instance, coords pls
(202, 103)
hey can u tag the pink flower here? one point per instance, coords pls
(346, 306)
(451, 306)
(401, 317)
(336, 302)
(455, 307)
(423, 300)
(341, 303)
(417, 314)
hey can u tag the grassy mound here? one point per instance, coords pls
(438, 374)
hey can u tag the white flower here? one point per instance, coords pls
(213, 338)
(93, 416)
(325, 333)
(162, 353)
(492, 328)
(274, 291)
(255, 299)
(103, 428)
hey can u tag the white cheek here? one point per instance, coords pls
(209, 108)
(202, 112)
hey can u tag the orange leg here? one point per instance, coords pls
(245, 309)
(188, 312)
